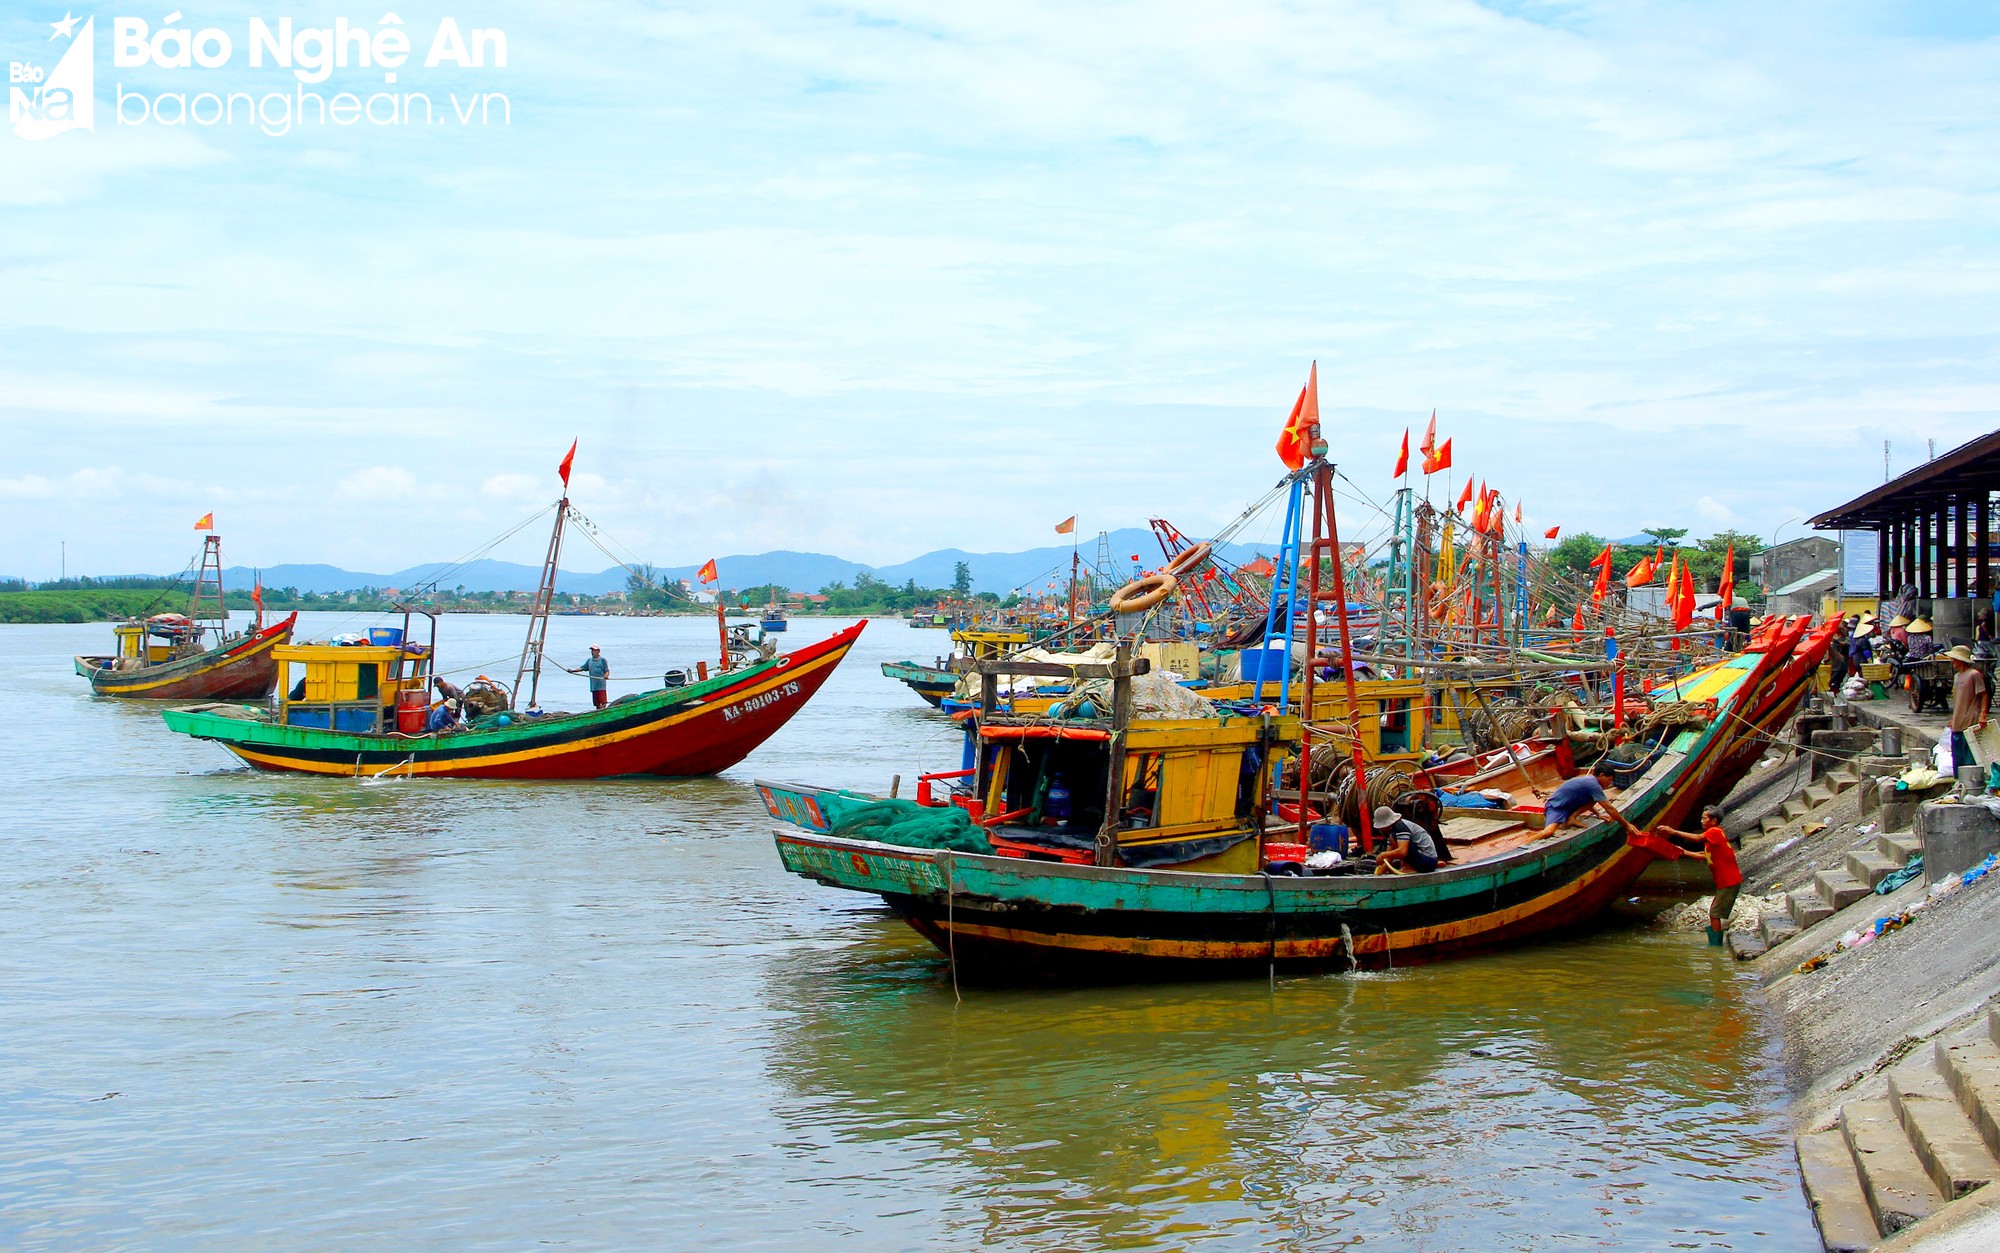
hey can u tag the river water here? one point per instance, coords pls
(248, 1010)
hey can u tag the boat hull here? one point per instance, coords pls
(695, 730)
(1004, 919)
(244, 670)
(928, 682)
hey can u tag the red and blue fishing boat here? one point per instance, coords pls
(364, 708)
(174, 656)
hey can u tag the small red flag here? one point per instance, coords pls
(1551, 532)
(1403, 457)
(1465, 497)
(569, 458)
(707, 572)
(1727, 587)
(1429, 447)
(1517, 513)
(1066, 526)
(1295, 441)
(206, 522)
(1440, 461)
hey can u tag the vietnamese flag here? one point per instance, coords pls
(707, 572)
(569, 459)
(1552, 532)
(1643, 573)
(1403, 457)
(1438, 460)
(1465, 497)
(1066, 526)
(205, 523)
(1727, 587)
(1603, 586)
(1429, 448)
(1295, 441)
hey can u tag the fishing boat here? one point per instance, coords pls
(773, 619)
(1178, 850)
(362, 708)
(173, 656)
(934, 683)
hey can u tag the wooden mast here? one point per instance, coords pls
(211, 559)
(530, 668)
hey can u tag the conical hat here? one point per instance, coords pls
(1921, 626)
(1899, 620)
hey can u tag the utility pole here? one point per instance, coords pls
(1885, 461)
(64, 567)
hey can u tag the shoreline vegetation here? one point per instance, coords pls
(102, 600)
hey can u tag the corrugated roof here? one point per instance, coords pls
(1808, 583)
(1968, 470)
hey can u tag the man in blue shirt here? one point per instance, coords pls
(599, 671)
(1585, 791)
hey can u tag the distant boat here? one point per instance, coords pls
(773, 620)
(166, 657)
(362, 708)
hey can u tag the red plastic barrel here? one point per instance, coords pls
(413, 710)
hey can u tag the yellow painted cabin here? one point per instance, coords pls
(353, 687)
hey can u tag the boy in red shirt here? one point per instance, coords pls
(1713, 844)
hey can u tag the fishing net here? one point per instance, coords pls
(905, 823)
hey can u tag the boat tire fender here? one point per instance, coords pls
(1143, 593)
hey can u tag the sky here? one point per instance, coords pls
(872, 279)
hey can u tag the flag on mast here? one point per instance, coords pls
(707, 572)
(1403, 457)
(1066, 526)
(205, 523)
(1295, 441)
(569, 459)
(1552, 532)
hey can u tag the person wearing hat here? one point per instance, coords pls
(1837, 655)
(1899, 632)
(444, 716)
(1971, 702)
(1861, 648)
(1923, 642)
(1401, 846)
(599, 671)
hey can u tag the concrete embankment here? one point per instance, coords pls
(1885, 974)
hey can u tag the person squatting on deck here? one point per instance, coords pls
(1585, 791)
(599, 671)
(1402, 846)
(1713, 844)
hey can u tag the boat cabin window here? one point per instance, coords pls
(367, 682)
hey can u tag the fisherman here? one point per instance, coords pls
(447, 690)
(444, 717)
(1714, 846)
(1585, 791)
(1971, 703)
(599, 671)
(1413, 849)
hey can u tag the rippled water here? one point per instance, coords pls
(249, 1010)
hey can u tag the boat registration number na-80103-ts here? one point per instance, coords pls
(762, 700)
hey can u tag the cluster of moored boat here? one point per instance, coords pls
(1181, 775)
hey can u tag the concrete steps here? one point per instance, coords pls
(1834, 890)
(1893, 1178)
(1894, 1159)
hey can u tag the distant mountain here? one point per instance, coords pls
(999, 573)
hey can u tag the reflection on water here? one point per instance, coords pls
(249, 1009)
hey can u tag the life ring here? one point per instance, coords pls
(1144, 593)
(1190, 559)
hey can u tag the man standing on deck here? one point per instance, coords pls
(599, 671)
(1971, 702)
(1713, 844)
(1585, 791)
